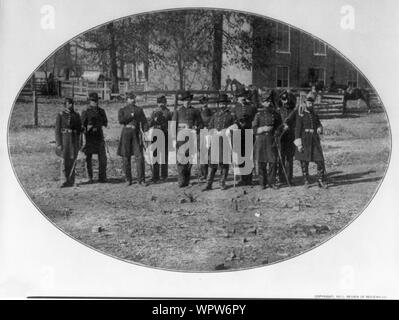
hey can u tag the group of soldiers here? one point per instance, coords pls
(282, 132)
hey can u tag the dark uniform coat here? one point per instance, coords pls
(130, 142)
(244, 114)
(206, 115)
(265, 148)
(159, 118)
(287, 138)
(67, 133)
(189, 118)
(219, 121)
(312, 150)
(93, 119)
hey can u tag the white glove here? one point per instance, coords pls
(320, 130)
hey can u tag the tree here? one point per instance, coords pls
(217, 58)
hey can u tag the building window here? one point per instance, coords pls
(317, 76)
(283, 38)
(319, 48)
(352, 78)
(282, 76)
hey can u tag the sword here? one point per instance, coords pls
(73, 166)
(281, 161)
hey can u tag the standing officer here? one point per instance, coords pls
(67, 136)
(130, 144)
(265, 126)
(307, 140)
(159, 120)
(206, 114)
(186, 117)
(93, 119)
(286, 106)
(244, 113)
(220, 121)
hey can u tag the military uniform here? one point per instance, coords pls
(185, 118)
(159, 120)
(130, 143)
(206, 115)
(220, 121)
(93, 119)
(307, 129)
(244, 114)
(67, 136)
(285, 108)
(265, 148)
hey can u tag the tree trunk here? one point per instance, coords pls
(181, 73)
(134, 72)
(67, 57)
(112, 56)
(217, 58)
(121, 68)
(146, 57)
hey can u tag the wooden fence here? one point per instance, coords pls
(80, 89)
(327, 104)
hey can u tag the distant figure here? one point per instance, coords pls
(93, 121)
(68, 128)
(228, 83)
(333, 85)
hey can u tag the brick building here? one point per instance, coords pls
(289, 57)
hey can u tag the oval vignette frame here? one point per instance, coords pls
(358, 212)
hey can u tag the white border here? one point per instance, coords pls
(37, 259)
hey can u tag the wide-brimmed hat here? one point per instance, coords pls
(242, 93)
(186, 95)
(283, 95)
(266, 98)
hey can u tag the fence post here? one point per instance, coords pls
(34, 98)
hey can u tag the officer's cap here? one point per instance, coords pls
(93, 96)
(203, 99)
(186, 95)
(161, 99)
(130, 95)
(224, 98)
(68, 100)
(267, 98)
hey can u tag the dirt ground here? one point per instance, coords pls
(167, 227)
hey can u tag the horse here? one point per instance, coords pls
(356, 94)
